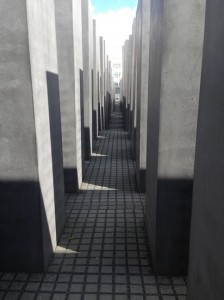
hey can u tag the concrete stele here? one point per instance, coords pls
(68, 24)
(31, 184)
(175, 55)
(206, 268)
(143, 21)
(87, 35)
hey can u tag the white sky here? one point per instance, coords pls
(115, 26)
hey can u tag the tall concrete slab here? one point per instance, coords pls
(175, 55)
(79, 86)
(31, 169)
(125, 83)
(132, 127)
(127, 75)
(99, 84)
(87, 43)
(110, 90)
(143, 29)
(108, 104)
(134, 122)
(206, 271)
(102, 81)
(107, 95)
(129, 83)
(69, 39)
(95, 81)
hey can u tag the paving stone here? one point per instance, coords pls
(12, 296)
(44, 296)
(59, 296)
(106, 297)
(28, 296)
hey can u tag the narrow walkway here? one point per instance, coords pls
(103, 253)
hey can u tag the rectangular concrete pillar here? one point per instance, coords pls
(127, 73)
(143, 29)
(102, 69)
(79, 85)
(110, 89)
(95, 81)
(134, 120)
(175, 54)
(31, 167)
(129, 91)
(108, 93)
(99, 83)
(207, 226)
(69, 42)
(124, 84)
(132, 126)
(107, 96)
(87, 39)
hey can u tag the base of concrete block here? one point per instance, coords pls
(87, 143)
(134, 143)
(141, 179)
(170, 236)
(95, 125)
(71, 180)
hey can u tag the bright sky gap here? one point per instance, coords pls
(114, 22)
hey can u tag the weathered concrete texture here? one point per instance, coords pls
(96, 66)
(206, 270)
(104, 85)
(87, 43)
(132, 120)
(175, 52)
(31, 171)
(69, 38)
(99, 83)
(101, 104)
(127, 83)
(130, 82)
(124, 85)
(143, 29)
(78, 62)
(107, 104)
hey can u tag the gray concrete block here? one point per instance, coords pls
(143, 30)
(99, 83)
(102, 82)
(96, 87)
(87, 39)
(130, 80)
(31, 171)
(107, 94)
(132, 121)
(78, 57)
(127, 82)
(124, 84)
(175, 54)
(69, 45)
(206, 271)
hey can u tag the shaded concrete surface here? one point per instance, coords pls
(174, 86)
(69, 41)
(31, 177)
(103, 252)
(142, 57)
(87, 47)
(206, 271)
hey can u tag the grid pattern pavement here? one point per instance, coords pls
(103, 253)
